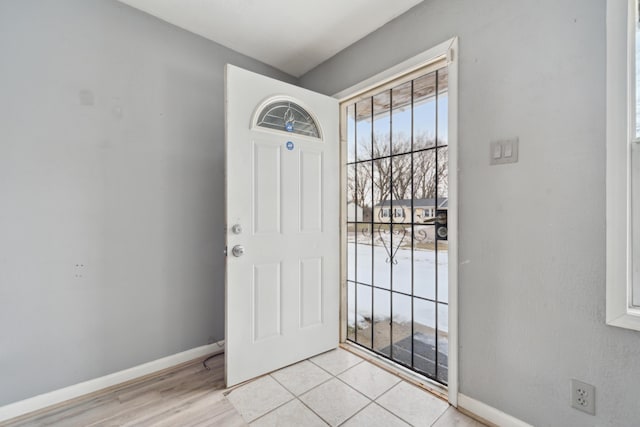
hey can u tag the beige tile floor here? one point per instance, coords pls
(338, 388)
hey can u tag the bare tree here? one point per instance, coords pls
(359, 179)
(401, 174)
(430, 177)
(394, 176)
(443, 173)
(424, 172)
(381, 180)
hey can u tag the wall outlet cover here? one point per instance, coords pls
(583, 397)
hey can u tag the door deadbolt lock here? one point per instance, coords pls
(236, 229)
(238, 250)
(442, 228)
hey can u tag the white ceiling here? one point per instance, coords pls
(291, 35)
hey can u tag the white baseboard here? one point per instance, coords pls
(41, 401)
(489, 413)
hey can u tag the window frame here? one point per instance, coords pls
(620, 135)
(447, 50)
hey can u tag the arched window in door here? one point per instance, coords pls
(287, 116)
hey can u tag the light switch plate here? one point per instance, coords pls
(496, 150)
(503, 151)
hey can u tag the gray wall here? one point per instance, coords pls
(532, 235)
(111, 158)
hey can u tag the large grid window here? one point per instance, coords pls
(623, 164)
(397, 199)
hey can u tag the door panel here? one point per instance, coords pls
(267, 176)
(311, 180)
(311, 284)
(267, 288)
(282, 189)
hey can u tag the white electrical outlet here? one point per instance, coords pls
(583, 397)
(79, 271)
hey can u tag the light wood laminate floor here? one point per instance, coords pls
(336, 388)
(188, 396)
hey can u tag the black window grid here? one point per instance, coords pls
(390, 223)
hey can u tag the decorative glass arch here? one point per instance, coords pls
(287, 116)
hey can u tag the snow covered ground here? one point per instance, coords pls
(424, 271)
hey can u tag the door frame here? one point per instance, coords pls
(446, 50)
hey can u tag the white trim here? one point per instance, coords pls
(41, 401)
(452, 55)
(619, 118)
(414, 63)
(448, 50)
(489, 413)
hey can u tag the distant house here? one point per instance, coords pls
(424, 210)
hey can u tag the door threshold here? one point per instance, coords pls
(406, 374)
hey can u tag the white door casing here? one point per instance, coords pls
(282, 293)
(449, 50)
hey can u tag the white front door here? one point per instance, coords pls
(282, 208)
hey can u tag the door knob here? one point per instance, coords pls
(238, 250)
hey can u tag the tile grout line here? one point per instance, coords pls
(339, 379)
(371, 399)
(356, 390)
(384, 392)
(269, 411)
(297, 397)
(387, 390)
(389, 410)
(311, 409)
(341, 372)
(343, 382)
(379, 360)
(336, 376)
(401, 380)
(357, 412)
(398, 415)
(393, 413)
(307, 391)
(440, 416)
